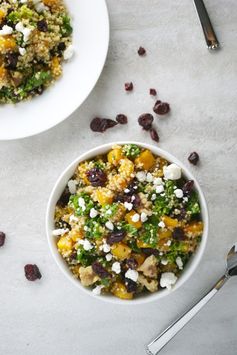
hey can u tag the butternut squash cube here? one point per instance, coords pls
(121, 251)
(145, 160)
(114, 156)
(104, 196)
(64, 244)
(119, 290)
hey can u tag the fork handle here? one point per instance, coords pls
(209, 33)
(161, 340)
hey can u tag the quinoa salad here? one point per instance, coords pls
(35, 39)
(128, 222)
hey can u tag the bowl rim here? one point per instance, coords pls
(55, 194)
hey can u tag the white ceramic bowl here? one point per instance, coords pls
(57, 191)
(90, 40)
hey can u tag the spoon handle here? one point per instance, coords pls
(209, 33)
(161, 340)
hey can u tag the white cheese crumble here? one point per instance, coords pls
(109, 225)
(161, 224)
(93, 212)
(128, 206)
(185, 199)
(168, 243)
(116, 267)
(22, 51)
(73, 218)
(24, 30)
(68, 53)
(153, 197)
(126, 191)
(6, 30)
(159, 189)
(105, 247)
(135, 217)
(172, 172)
(149, 177)
(87, 245)
(158, 181)
(168, 279)
(178, 193)
(81, 203)
(179, 262)
(132, 275)
(143, 217)
(141, 176)
(60, 231)
(164, 261)
(71, 184)
(97, 290)
(109, 257)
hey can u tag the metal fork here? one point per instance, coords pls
(209, 33)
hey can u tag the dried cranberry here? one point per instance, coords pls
(64, 198)
(11, 60)
(141, 51)
(130, 285)
(42, 26)
(182, 215)
(131, 263)
(178, 233)
(100, 270)
(153, 92)
(61, 46)
(116, 236)
(193, 158)
(102, 124)
(2, 238)
(128, 86)
(97, 177)
(154, 135)
(150, 251)
(32, 272)
(188, 187)
(145, 120)
(122, 119)
(161, 108)
(132, 188)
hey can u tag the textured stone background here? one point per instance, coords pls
(51, 316)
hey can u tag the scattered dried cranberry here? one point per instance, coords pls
(161, 108)
(64, 198)
(131, 263)
(178, 233)
(193, 158)
(100, 270)
(61, 46)
(32, 272)
(116, 236)
(150, 251)
(42, 26)
(128, 86)
(97, 177)
(136, 201)
(153, 92)
(122, 119)
(2, 238)
(102, 124)
(182, 215)
(11, 60)
(154, 135)
(141, 51)
(132, 187)
(130, 285)
(188, 187)
(145, 120)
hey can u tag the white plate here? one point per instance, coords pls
(90, 39)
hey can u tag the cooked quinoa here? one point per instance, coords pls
(128, 222)
(35, 39)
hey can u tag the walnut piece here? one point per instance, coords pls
(149, 267)
(87, 276)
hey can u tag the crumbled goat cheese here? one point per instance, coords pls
(126, 191)
(135, 217)
(141, 176)
(158, 181)
(168, 243)
(93, 213)
(60, 231)
(143, 217)
(161, 224)
(179, 262)
(109, 257)
(87, 245)
(97, 290)
(116, 267)
(149, 177)
(81, 203)
(159, 189)
(105, 247)
(68, 53)
(22, 51)
(164, 261)
(72, 186)
(6, 30)
(153, 197)
(132, 275)
(172, 172)
(178, 193)
(73, 218)
(168, 279)
(128, 206)
(109, 225)
(185, 199)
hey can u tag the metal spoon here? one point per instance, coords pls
(209, 33)
(161, 340)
